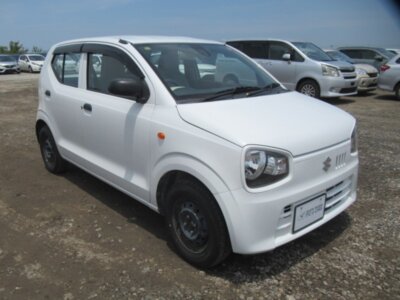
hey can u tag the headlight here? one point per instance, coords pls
(354, 140)
(35, 64)
(361, 72)
(330, 71)
(264, 167)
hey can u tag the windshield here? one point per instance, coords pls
(387, 53)
(203, 72)
(7, 59)
(312, 51)
(337, 55)
(36, 57)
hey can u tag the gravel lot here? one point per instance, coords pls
(74, 237)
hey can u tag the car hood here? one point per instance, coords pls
(367, 68)
(342, 65)
(289, 121)
(8, 63)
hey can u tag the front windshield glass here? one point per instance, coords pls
(36, 57)
(387, 53)
(201, 72)
(312, 51)
(7, 59)
(337, 55)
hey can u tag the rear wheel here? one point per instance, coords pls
(52, 159)
(309, 88)
(196, 225)
(397, 91)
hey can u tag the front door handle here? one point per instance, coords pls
(86, 107)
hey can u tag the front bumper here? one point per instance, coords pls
(261, 221)
(36, 68)
(7, 69)
(366, 83)
(337, 86)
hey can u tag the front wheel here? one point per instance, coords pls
(309, 88)
(196, 225)
(52, 159)
(397, 91)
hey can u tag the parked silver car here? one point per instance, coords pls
(8, 65)
(393, 50)
(302, 66)
(368, 55)
(389, 79)
(367, 75)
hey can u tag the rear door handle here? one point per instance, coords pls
(47, 93)
(86, 107)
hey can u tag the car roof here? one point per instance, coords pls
(140, 39)
(360, 47)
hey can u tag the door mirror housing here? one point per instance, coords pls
(286, 57)
(130, 88)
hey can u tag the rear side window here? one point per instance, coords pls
(66, 68)
(352, 53)
(368, 54)
(255, 49)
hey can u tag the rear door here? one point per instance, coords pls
(62, 97)
(115, 129)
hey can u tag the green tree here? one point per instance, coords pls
(15, 47)
(36, 49)
(3, 49)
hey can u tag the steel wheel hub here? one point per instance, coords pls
(308, 90)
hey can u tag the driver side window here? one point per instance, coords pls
(103, 68)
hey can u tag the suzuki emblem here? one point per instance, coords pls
(327, 164)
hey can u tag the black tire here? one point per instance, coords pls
(196, 224)
(397, 91)
(30, 69)
(52, 159)
(310, 88)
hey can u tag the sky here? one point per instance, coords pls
(327, 23)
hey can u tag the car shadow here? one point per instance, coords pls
(338, 101)
(253, 268)
(237, 268)
(387, 97)
(132, 210)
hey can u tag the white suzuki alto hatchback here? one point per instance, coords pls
(242, 166)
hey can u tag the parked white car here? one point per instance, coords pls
(232, 167)
(31, 62)
(389, 80)
(302, 66)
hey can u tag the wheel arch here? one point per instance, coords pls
(305, 79)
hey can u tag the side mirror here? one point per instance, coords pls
(378, 58)
(286, 56)
(129, 87)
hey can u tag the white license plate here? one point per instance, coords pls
(308, 213)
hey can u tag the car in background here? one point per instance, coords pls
(8, 64)
(389, 79)
(302, 66)
(31, 62)
(368, 55)
(393, 50)
(367, 75)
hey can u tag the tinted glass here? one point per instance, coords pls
(36, 57)
(312, 51)
(352, 53)
(7, 59)
(103, 69)
(193, 72)
(66, 68)
(255, 49)
(337, 55)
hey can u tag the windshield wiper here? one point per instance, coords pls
(231, 91)
(267, 88)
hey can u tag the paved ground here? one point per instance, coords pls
(74, 237)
